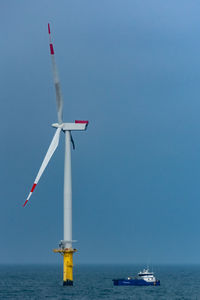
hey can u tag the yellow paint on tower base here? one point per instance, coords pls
(67, 264)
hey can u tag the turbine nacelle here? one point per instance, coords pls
(78, 125)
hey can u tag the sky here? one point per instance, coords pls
(132, 68)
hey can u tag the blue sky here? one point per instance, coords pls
(132, 69)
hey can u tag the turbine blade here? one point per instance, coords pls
(59, 100)
(50, 152)
(72, 140)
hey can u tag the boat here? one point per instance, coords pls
(143, 278)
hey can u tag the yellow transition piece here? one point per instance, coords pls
(67, 264)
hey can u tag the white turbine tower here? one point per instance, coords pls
(65, 245)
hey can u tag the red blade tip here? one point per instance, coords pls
(49, 28)
(25, 203)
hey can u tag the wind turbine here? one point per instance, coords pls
(65, 246)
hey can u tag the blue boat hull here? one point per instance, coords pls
(137, 282)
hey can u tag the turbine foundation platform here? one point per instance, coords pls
(67, 254)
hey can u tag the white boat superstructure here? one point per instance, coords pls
(147, 275)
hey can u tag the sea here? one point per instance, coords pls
(95, 282)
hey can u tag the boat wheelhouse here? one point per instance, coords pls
(147, 275)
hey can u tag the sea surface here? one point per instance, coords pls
(95, 282)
